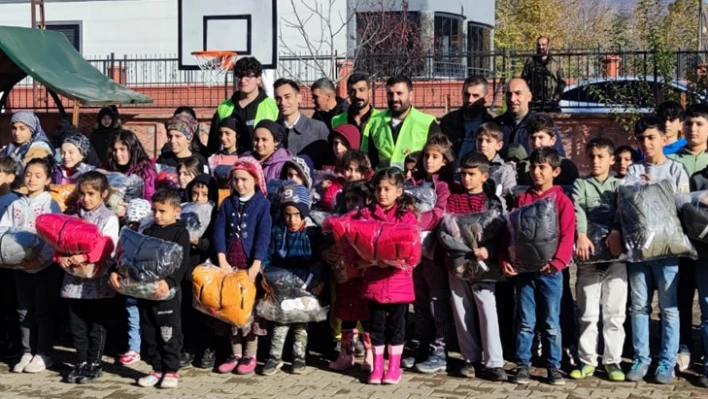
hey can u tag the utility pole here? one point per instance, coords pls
(37, 23)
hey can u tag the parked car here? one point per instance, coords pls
(633, 94)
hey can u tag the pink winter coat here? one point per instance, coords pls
(388, 284)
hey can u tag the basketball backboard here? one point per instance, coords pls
(248, 27)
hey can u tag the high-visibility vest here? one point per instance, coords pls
(411, 138)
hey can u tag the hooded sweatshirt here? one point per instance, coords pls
(202, 251)
(177, 233)
(352, 137)
(273, 165)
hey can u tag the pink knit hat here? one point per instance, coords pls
(252, 166)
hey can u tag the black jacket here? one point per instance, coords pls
(176, 233)
(453, 125)
(203, 250)
(326, 116)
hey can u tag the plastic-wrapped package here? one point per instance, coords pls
(461, 235)
(651, 228)
(600, 221)
(167, 176)
(425, 197)
(143, 290)
(196, 217)
(382, 243)
(146, 259)
(227, 296)
(288, 298)
(318, 217)
(694, 214)
(534, 234)
(134, 188)
(64, 194)
(71, 235)
(22, 249)
(327, 185)
(223, 194)
(88, 271)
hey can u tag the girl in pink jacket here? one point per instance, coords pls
(389, 290)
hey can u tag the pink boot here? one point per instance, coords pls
(393, 373)
(367, 365)
(346, 352)
(378, 369)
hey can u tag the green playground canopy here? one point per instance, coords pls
(51, 60)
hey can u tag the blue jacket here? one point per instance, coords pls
(255, 226)
(289, 250)
(519, 134)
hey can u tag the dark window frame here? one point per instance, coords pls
(61, 26)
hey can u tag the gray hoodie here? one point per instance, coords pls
(671, 170)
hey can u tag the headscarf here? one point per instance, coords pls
(80, 141)
(184, 124)
(38, 135)
(252, 166)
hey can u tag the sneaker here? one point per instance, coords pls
(664, 374)
(76, 373)
(468, 370)
(246, 366)
(435, 362)
(614, 372)
(496, 374)
(359, 350)
(415, 352)
(185, 360)
(703, 381)
(229, 365)
(170, 380)
(683, 361)
(91, 373)
(637, 372)
(272, 366)
(24, 361)
(207, 360)
(38, 364)
(583, 372)
(521, 376)
(129, 358)
(555, 376)
(150, 380)
(299, 366)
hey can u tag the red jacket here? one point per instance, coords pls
(566, 223)
(388, 284)
(429, 220)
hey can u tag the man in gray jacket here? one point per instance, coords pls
(305, 136)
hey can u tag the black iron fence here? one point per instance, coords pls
(574, 81)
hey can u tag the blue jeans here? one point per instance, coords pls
(131, 305)
(702, 282)
(643, 277)
(539, 295)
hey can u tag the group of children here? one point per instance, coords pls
(492, 320)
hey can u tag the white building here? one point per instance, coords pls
(148, 28)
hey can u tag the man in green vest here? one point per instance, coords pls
(400, 130)
(249, 104)
(360, 109)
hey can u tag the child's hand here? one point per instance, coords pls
(115, 280)
(481, 253)
(65, 262)
(194, 240)
(614, 242)
(78, 259)
(254, 270)
(317, 290)
(508, 269)
(162, 289)
(584, 247)
(547, 269)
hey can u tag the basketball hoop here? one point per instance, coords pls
(215, 64)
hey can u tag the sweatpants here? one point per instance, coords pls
(433, 321)
(161, 329)
(601, 289)
(87, 322)
(472, 302)
(280, 333)
(37, 300)
(387, 323)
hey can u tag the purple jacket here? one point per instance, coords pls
(274, 163)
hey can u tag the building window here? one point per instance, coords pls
(448, 33)
(72, 31)
(479, 43)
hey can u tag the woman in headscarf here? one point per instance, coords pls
(28, 139)
(181, 130)
(74, 150)
(108, 125)
(268, 137)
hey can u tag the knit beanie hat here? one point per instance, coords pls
(276, 129)
(230, 123)
(138, 209)
(80, 141)
(296, 195)
(252, 166)
(184, 124)
(304, 167)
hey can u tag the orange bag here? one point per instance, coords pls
(64, 194)
(229, 297)
(223, 194)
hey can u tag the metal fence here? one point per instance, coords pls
(593, 79)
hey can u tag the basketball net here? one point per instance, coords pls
(215, 64)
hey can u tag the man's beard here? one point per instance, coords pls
(357, 107)
(474, 109)
(404, 108)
